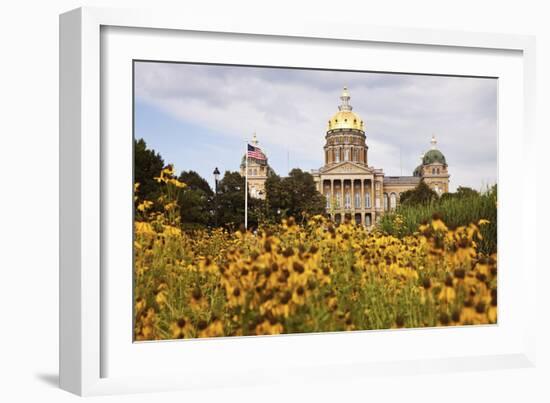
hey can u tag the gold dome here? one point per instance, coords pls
(345, 118)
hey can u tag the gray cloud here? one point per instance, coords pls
(291, 106)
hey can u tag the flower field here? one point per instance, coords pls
(316, 277)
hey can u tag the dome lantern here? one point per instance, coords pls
(345, 106)
(433, 155)
(345, 118)
(433, 142)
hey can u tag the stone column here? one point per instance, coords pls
(342, 194)
(372, 199)
(332, 194)
(362, 195)
(353, 196)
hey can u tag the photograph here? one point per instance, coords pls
(275, 200)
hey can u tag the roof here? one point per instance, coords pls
(401, 180)
(432, 156)
(345, 118)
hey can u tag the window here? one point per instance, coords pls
(338, 200)
(347, 202)
(393, 201)
(346, 154)
(367, 220)
(327, 195)
(337, 155)
(438, 171)
(433, 171)
(367, 200)
(385, 202)
(357, 200)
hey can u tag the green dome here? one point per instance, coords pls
(418, 171)
(433, 156)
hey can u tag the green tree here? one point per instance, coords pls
(229, 203)
(295, 195)
(195, 201)
(196, 182)
(421, 194)
(277, 198)
(147, 166)
(230, 200)
(461, 192)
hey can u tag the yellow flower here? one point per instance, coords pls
(447, 294)
(140, 304)
(439, 225)
(181, 328)
(492, 314)
(145, 205)
(176, 183)
(162, 292)
(214, 329)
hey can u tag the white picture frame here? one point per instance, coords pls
(85, 194)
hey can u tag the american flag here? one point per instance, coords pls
(255, 152)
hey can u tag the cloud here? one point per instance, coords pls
(291, 108)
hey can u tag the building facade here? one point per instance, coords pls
(353, 189)
(258, 171)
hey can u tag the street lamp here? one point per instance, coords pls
(216, 179)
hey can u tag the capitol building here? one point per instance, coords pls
(353, 189)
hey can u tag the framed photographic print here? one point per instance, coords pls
(320, 197)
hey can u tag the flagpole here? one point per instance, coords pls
(246, 188)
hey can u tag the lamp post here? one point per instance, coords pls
(216, 174)
(216, 179)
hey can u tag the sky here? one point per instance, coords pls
(199, 117)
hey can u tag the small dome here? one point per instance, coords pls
(434, 156)
(418, 171)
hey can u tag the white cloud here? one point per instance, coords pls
(293, 106)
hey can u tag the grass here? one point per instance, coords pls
(455, 211)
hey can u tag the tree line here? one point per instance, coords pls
(292, 196)
(201, 206)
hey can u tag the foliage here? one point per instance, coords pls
(147, 165)
(421, 194)
(457, 209)
(229, 203)
(289, 278)
(196, 201)
(461, 192)
(293, 196)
